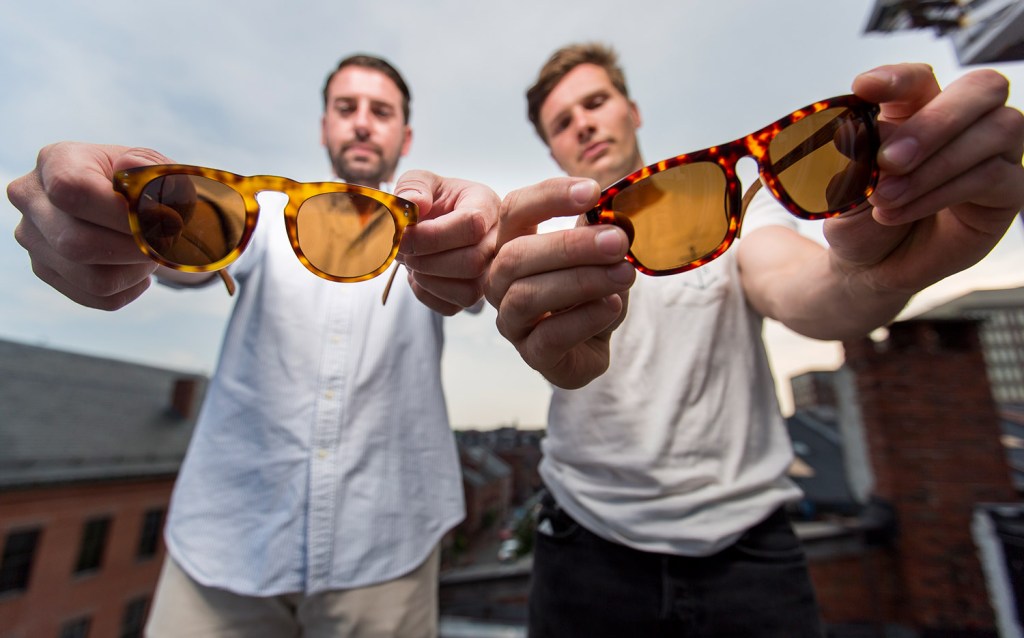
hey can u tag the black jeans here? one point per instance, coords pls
(583, 585)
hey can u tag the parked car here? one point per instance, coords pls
(508, 551)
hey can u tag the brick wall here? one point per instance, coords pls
(856, 588)
(55, 594)
(933, 440)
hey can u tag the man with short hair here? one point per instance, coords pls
(666, 454)
(322, 473)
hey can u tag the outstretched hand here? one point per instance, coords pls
(559, 295)
(75, 227)
(951, 178)
(448, 251)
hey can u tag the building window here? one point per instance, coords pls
(134, 618)
(94, 540)
(16, 564)
(77, 628)
(149, 539)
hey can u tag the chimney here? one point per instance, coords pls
(183, 397)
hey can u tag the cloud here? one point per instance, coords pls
(236, 85)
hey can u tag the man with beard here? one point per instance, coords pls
(322, 473)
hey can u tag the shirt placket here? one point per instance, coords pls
(324, 482)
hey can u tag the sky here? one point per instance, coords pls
(236, 85)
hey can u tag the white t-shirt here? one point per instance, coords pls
(679, 447)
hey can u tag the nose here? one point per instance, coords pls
(582, 124)
(361, 119)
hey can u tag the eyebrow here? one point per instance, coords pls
(586, 98)
(374, 102)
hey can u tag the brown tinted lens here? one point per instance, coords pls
(190, 220)
(823, 162)
(345, 234)
(678, 215)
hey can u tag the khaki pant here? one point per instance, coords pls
(402, 608)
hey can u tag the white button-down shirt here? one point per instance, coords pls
(323, 457)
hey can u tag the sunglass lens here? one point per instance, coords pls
(824, 161)
(345, 234)
(678, 216)
(190, 220)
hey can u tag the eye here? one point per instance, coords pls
(559, 125)
(596, 101)
(383, 112)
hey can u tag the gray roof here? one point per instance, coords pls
(976, 300)
(70, 417)
(486, 462)
(817, 443)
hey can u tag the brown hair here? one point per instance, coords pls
(377, 64)
(558, 66)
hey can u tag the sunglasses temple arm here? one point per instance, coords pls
(747, 197)
(821, 137)
(229, 283)
(387, 287)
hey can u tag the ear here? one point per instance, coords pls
(407, 143)
(323, 130)
(634, 114)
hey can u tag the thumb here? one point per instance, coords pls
(138, 156)
(420, 188)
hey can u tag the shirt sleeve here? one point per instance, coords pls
(765, 210)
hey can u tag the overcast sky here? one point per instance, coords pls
(236, 85)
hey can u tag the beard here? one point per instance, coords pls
(364, 173)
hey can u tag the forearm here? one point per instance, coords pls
(811, 292)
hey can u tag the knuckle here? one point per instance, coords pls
(510, 258)
(72, 246)
(147, 155)
(17, 193)
(478, 225)
(516, 301)
(1010, 123)
(64, 189)
(509, 203)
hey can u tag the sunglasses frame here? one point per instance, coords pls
(131, 182)
(727, 155)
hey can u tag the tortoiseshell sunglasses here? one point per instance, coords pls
(196, 219)
(680, 213)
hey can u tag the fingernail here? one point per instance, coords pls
(891, 188)
(621, 273)
(609, 241)
(582, 192)
(901, 153)
(886, 77)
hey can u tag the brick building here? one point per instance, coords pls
(89, 449)
(922, 449)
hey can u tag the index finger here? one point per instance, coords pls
(453, 213)
(524, 209)
(928, 117)
(76, 178)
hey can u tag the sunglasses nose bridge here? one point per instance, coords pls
(755, 147)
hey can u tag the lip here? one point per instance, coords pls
(594, 150)
(361, 147)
